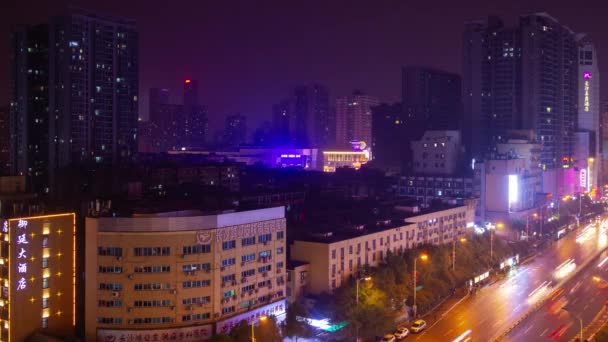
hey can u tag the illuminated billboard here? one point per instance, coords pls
(513, 189)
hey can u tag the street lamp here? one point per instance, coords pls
(357, 301)
(423, 257)
(262, 319)
(462, 240)
(579, 319)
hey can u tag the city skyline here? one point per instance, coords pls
(246, 68)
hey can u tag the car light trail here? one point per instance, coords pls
(462, 337)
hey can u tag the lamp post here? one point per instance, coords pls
(580, 321)
(423, 257)
(262, 319)
(357, 301)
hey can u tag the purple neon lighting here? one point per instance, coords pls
(586, 75)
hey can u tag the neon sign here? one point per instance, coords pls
(586, 77)
(583, 178)
(22, 254)
(5, 227)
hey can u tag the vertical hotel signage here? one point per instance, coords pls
(22, 253)
(586, 78)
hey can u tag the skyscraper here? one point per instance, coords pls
(354, 118)
(236, 130)
(74, 94)
(158, 97)
(314, 122)
(195, 121)
(29, 109)
(521, 78)
(282, 120)
(588, 122)
(432, 97)
(5, 141)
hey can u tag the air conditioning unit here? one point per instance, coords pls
(129, 309)
(173, 291)
(119, 258)
(217, 314)
(265, 274)
(188, 307)
(222, 269)
(208, 270)
(234, 297)
(242, 263)
(256, 290)
(233, 282)
(243, 281)
(278, 270)
(130, 276)
(251, 293)
(269, 257)
(265, 243)
(115, 294)
(242, 294)
(223, 285)
(201, 304)
(183, 256)
(172, 307)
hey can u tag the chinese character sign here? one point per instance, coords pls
(21, 243)
(5, 227)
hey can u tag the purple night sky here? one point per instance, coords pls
(247, 55)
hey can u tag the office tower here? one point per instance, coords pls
(195, 124)
(5, 141)
(391, 136)
(158, 97)
(432, 97)
(589, 159)
(29, 116)
(39, 271)
(354, 118)
(236, 130)
(314, 122)
(282, 120)
(74, 94)
(520, 78)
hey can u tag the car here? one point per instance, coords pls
(388, 338)
(401, 333)
(418, 326)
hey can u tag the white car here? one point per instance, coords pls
(401, 333)
(388, 338)
(418, 326)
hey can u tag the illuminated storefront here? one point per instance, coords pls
(359, 155)
(38, 266)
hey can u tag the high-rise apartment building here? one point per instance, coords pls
(5, 141)
(282, 120)
(195, 124)
(432, 97)
(74, 94)
(29, 109)
(588, 160)
(392, 132)
(354, 118)
(497, 96)
(314, 122)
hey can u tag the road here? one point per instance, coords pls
(480, 317)
(583, 298)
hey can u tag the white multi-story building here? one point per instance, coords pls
(437, 153)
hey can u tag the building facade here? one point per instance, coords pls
(432, 97)
(437, 153)
(354, 118)
(509, 83)
(74, 94)
(184, 274)
(5, 141)
(334, 258)
(392, 132)
(39, 276)
(314, 123)
(235, 132)
(425, 189)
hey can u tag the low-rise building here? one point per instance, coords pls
(183, 273)
(425, 189)
(297, 280)
(335, 256)
(437, 153)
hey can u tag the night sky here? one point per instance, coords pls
(247, 55)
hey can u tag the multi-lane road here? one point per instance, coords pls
(492, 310)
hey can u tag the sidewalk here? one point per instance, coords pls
(595, 326)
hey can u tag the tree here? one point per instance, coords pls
(221, 338)
(294, 328)
(266, 331)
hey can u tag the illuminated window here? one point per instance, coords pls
(45, 303)
(229, 244)
(45, 283)
(45, 241)
(45, 322)
(45, 262)
(248, 241)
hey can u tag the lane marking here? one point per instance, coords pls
(544, 332)
(530, 327)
